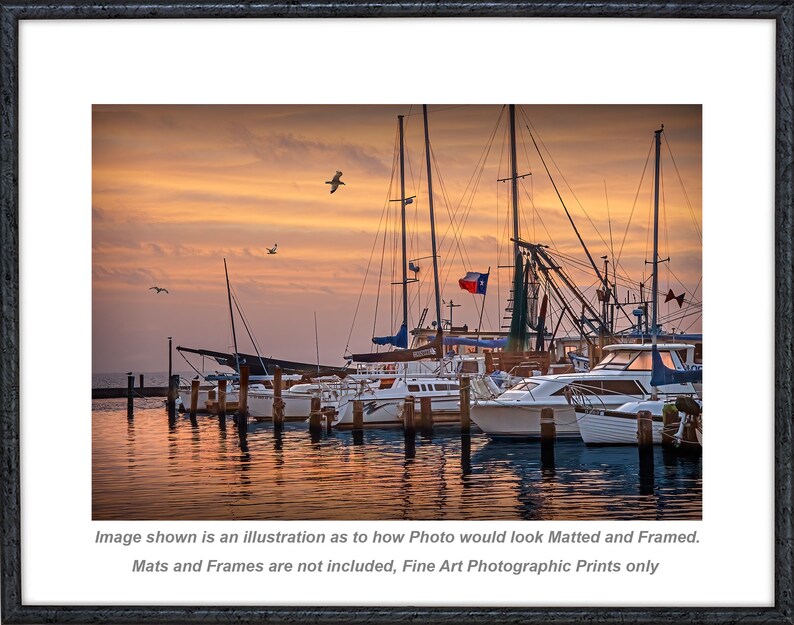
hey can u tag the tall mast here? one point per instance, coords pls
(402, 212)
(231, 315)
(655, 283)
(514, 178)
(432, 216)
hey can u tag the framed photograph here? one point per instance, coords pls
(395, 312)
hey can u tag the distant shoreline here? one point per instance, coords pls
(116, 392)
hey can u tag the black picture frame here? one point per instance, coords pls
(14, 611)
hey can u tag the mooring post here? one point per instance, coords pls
(222, 403)
(358, 415)
(173, 392)
(644, 429)
(409, 414)
(140, 378)
(645, 448)
(130, 394)
(548, 430)
(316, 416)
(328, 415)
(194, 393)
(548, 434)
(426, 407)
(670, 420)
(242, 413)
(465, 404)
(278, 403)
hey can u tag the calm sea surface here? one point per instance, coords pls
(145, 469)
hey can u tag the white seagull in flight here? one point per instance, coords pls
(272, 250)
(335, 182)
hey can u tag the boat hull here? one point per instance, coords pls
(612, 427)
(500, 420)
(388, 411)
(260, 407)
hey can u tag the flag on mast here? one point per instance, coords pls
(474, 282)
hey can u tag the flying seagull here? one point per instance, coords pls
(335, 182)
(158, 289)
(272, 250)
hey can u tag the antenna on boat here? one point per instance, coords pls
(231, 316)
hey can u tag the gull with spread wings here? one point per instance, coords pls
(335, 182)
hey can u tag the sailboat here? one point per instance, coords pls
(261, 371)
(384, 403)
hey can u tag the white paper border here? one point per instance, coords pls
(66, 66)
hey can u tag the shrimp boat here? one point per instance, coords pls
(600, 402)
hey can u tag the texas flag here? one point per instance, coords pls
(474, 282)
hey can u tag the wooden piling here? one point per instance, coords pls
(465, 404)
(316, 416)
(140, 378)
(278, 402)
(409, 408)
(426, 407)
(409, 426)
(328, 415)
(222, 402)
(130, 394)
(194, 393)
(358, 415)
(548, 430)
(645, 447)
(644, 429)
(242, 410)
(173, 393)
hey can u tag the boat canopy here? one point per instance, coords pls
(661, 375)
(398, 340)
(462, 340)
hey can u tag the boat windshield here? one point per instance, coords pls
(643, 361)
(524, 386)
(632, 360)
(618, 359)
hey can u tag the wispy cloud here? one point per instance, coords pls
(295, 150)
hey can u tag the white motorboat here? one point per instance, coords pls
(622, 376)
(602, 426)
(297, 399)
(384, 406)
(619, 426)
(208, 394)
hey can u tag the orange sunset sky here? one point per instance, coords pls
(176, 189)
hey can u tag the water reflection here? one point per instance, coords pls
(151, 469)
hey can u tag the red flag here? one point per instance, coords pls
(672, 296)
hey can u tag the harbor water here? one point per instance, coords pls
(147, 469)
